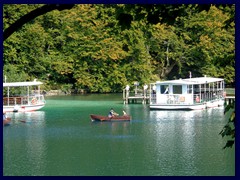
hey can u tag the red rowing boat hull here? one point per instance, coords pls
(6, 121)
(106, 118)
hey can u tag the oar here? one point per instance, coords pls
(23, 121)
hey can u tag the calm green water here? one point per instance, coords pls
(61, 140)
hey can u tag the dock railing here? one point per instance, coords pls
(134, 97)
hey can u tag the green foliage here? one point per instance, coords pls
(12, 12)
(102, 48)
(229, 129)
(167, 49)
(14, 74)
(212, 44)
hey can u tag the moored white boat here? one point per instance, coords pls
(27, 102)
(190, 94)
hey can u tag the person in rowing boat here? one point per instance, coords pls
(6, 119)
(112, 113)
(4, 116)
(124, 113)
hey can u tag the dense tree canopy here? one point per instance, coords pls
(102, 48)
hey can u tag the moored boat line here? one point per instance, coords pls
(191, 93)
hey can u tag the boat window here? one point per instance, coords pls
(189, 89)
(196, 89)
(164, 89)
(177, 89)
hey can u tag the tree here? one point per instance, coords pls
(102, 48)
(167, 49)
(211, 44)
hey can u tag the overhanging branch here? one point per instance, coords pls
(33, 14)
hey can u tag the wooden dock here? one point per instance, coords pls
(229, 99)
(142, 97)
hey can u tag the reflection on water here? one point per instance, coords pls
(62, 140)
(117, 130)
(185, 136)
(28, 140)
(36, 117)
(175, 137)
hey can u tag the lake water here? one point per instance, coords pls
(60, 139)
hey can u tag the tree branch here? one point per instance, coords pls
(33, 14)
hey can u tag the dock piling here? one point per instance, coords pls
(229, 100)
(140, 95)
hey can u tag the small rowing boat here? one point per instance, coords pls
(106, 118)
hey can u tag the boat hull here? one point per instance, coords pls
(106, 118)
(23, 108)
(177, 107)
(187, 107)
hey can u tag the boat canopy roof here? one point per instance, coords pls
(19, 84)
(190, 81)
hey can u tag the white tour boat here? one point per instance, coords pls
(28, 102)
(191, 93)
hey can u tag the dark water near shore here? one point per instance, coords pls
(61, 140)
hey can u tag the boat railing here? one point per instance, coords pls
(23, 100)
(208, 96)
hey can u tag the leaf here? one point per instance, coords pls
(229, 143)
